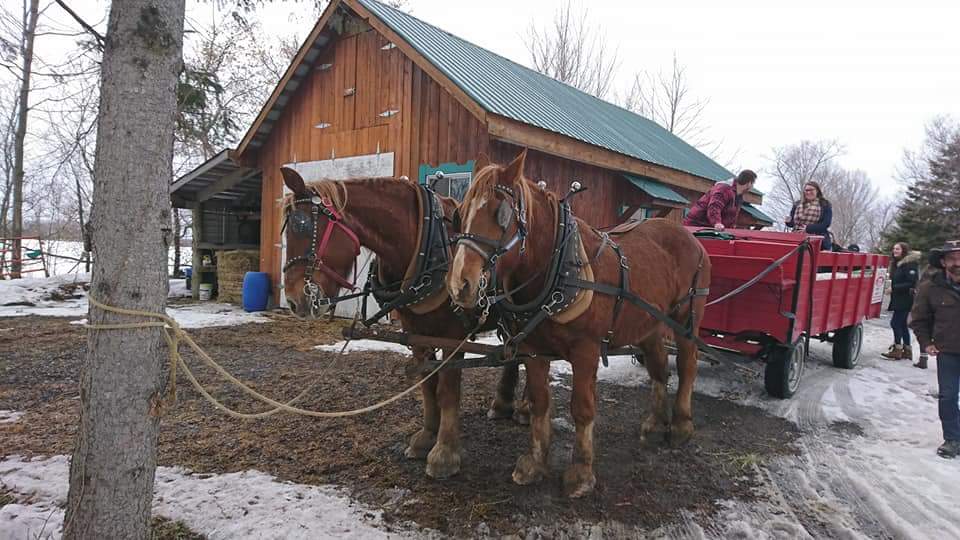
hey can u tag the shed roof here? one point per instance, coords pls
(756, 213)
(506, 88)
(657, 190)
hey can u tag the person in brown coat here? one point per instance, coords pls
(936, 321)
(932, 269)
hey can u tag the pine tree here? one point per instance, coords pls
(930, 214)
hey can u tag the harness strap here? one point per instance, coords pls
(618, 303)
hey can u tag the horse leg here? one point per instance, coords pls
(444, 459)
(578, 479)
(533, 466)
(422, 441)
(681, 428)
(655, 358)
(503, 402)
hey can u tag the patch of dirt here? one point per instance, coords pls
(67, 291)
(164, 529)
(850, 429)
(641, 486)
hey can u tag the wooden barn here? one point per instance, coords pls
(374, 91)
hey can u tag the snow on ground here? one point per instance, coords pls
(62, 256)
(365, 345)
(868, 466)
(31, 296)
(10, 417)
(247, 504)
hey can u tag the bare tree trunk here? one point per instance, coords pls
(176, 242)
(86, 254)
(30, 29)
(113, 466)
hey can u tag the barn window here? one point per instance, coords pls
(454, 181)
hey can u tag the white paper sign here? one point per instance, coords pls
(878, 283)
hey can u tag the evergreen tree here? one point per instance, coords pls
(930, 214)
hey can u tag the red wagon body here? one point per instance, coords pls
(811, 294)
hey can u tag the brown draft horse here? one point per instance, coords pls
(377, 214)
(663, 259)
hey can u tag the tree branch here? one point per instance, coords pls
(82, 23)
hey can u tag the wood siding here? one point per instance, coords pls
(606, 191)
(430, 126)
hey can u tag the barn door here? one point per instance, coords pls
(342, 169)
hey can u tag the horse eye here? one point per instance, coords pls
(301, 223)
(456, 220)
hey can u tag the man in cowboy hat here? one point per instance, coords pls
(936, 320)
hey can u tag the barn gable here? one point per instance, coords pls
(485, 83)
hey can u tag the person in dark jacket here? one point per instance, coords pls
(932, 269)
(936, 319)
(812, 214)
(719, 207)
(904, 274)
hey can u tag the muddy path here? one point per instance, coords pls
(641, 487)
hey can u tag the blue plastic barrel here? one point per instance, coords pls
(256, 291)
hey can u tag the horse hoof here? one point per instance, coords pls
(578, 480)
(521, 417)
(443, 462)
(420, 444)
(528, 471)
(653, 425)
(680, 433)
(500, 411)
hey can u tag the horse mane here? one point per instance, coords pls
(486, 180)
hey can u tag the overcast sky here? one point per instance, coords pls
(869, 74)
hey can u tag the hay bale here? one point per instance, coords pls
(231, 267)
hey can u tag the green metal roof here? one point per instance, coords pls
(756, 213)
(656, 189)
(508, 89)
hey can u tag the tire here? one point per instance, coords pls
(785, 369)
(847, 343)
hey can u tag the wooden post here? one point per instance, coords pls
(195, 252)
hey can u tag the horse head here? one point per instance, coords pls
(321, 249)
(493, 221)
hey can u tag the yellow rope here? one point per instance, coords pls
(173, 335)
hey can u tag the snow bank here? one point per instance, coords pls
(247, 504)
(35, 296)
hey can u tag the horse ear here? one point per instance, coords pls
(293, 180)
(481, 162)
(514, 171)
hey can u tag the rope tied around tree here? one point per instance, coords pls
(173, 334)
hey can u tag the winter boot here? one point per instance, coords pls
(894, 353)
(949, 449)
(922, 362)
(906, 354)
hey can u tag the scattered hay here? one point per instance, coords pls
(231, 267)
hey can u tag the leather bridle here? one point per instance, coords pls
(491, 249)
(313, 259)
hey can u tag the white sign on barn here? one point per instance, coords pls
(372, 165)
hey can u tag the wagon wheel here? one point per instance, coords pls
(846, 346)
(785, 369)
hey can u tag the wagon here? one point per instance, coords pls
(772, 292)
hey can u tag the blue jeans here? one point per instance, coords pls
(901, 332)
(948, 377)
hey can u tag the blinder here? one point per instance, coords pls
(304, 224)
(490, 249)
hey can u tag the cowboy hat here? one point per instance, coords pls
(937, 253)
